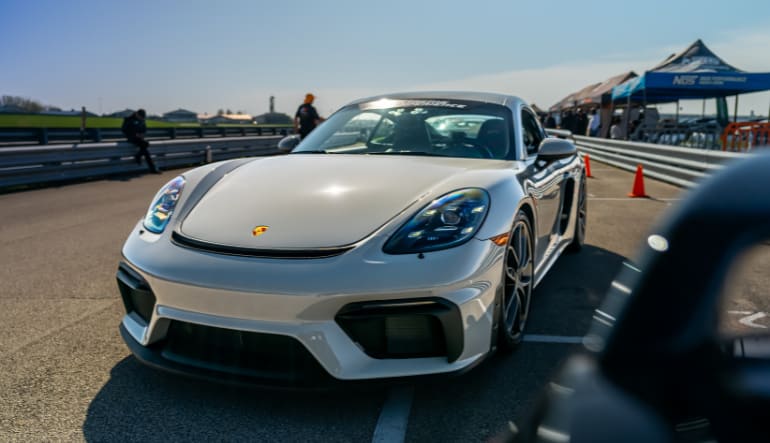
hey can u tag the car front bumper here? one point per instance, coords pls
(360, 315)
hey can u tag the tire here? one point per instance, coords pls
(581, 218)
(518, 280)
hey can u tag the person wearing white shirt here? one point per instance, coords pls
(594, 123)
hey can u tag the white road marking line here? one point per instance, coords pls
(631, 267)
(553, 435)
(391, 426)
(621, 287)
(561, 389)
(600, 312)
(749, 318)
(536, 338)
(603, 321)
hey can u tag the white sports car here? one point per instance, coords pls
(402, 237)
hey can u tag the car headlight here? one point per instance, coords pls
(448, 221)
(163, 204)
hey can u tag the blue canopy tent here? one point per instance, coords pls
(695, 73)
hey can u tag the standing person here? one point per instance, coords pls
(568, 121)
(550, 122)
(306, 118)
(134, 129)
(82, 124)
(581, 122)
(594, 123)
(616, 132)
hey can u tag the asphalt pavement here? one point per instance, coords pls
(65, 373)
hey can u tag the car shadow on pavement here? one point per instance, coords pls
(140, 403)
(508, 386)
(143, 404)
(575, 286)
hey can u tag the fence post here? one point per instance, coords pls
(43, 136)
(209, 155)
(173, 133)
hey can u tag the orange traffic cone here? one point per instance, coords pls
(587, 161)
(638, 190)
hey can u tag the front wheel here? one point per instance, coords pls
(518, 280)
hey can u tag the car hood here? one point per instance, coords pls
(316, 201)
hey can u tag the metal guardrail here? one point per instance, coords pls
(671, 164)
(27, 165)
(44, 136)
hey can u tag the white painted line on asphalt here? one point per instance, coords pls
(604, 322)
(549, 434)
(561, 389)
(631, 267)
(621, 287)
(600, 312)
(751, 319)
(535, 338)
(391, 426)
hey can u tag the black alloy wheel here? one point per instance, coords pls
(519, 277)
(580, 218)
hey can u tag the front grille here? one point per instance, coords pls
(404, 328)
(253, 354)
(135, 292)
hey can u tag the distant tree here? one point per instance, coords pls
(24, 103)
(228, 112)
(277, 118)
(220, 111)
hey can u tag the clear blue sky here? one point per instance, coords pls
(206, 55)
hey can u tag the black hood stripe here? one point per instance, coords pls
(204, 186)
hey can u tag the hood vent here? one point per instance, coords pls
(192, 243)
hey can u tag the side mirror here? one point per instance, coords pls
(288, 143)
(555, 149)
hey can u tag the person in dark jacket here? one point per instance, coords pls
(134, 129)
(581, 122)
(306, 118)
(550, 122)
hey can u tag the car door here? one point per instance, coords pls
(544, 185)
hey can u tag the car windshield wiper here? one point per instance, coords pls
(315, 151)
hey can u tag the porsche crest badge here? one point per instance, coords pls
(258, 230)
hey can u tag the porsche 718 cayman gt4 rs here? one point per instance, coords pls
(402, 237)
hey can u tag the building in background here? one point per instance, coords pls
(121, 114)
(180, 116)
(238, 119)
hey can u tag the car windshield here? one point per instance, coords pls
(415, 127)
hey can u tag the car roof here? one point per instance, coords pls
(484, 97)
